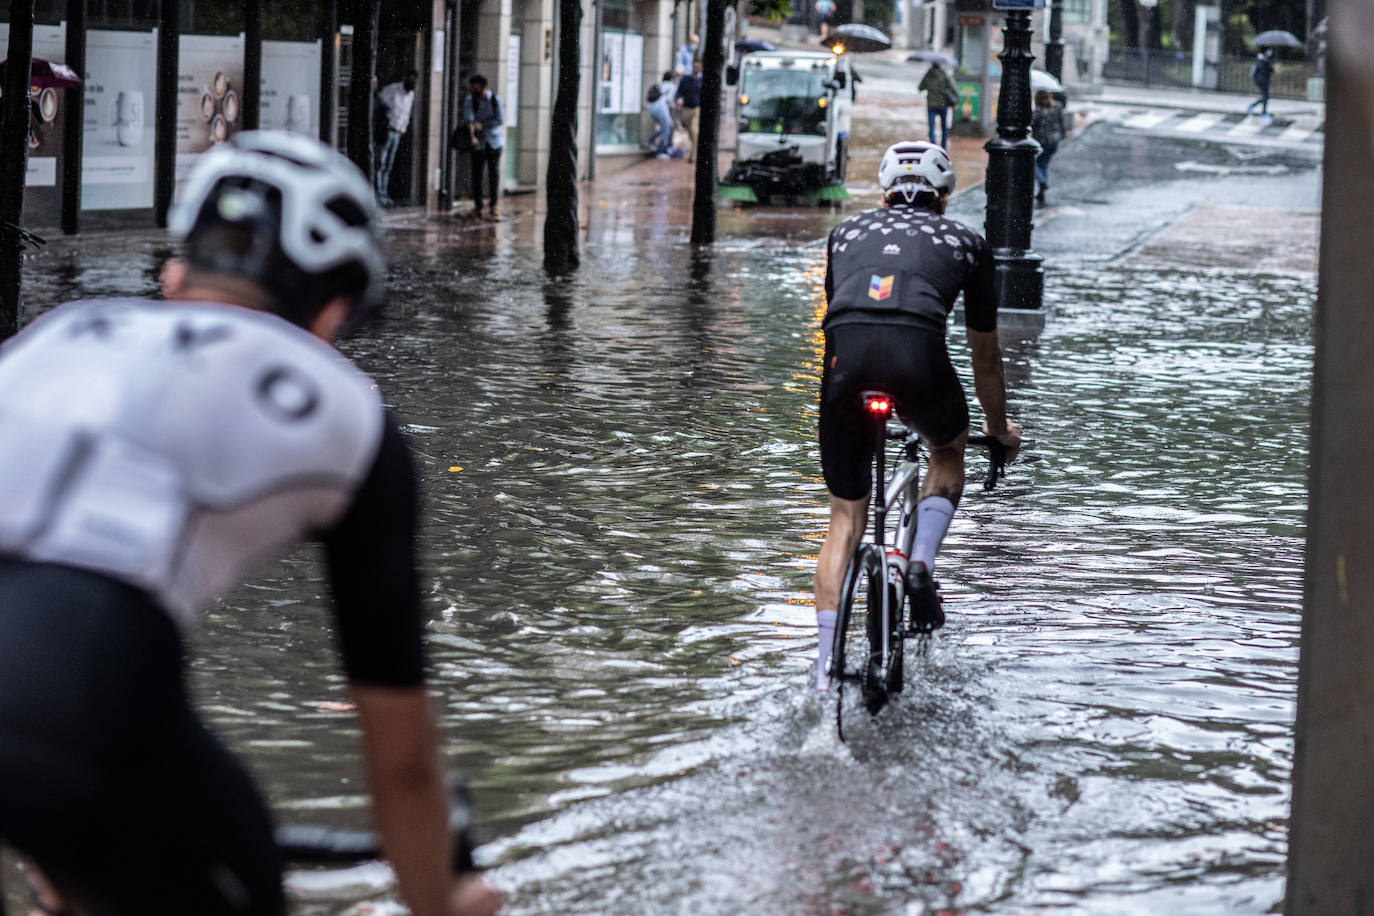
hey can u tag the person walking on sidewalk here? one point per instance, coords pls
(659, 98)
(482, 112)
(1261, 74)
(689, 103)
(395, 100)
(941, 94)
(1047, 127)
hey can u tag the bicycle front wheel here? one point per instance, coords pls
(856, 655)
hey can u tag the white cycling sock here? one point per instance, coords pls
(932, 523)
(825, 640)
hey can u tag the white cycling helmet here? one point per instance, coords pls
(288, 213)
(915, 167)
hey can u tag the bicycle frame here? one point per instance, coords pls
(884, 566)
(902, 485)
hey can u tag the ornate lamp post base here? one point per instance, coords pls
(1019, 276)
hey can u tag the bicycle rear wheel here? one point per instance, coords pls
(855, 657)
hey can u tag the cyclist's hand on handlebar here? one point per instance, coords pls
(1010, 439)
(471, 896)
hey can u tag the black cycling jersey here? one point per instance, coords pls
(907, 265)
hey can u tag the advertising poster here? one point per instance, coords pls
(209, 99)
(622, 72)
(632, 74)
(117, 134)
(612, 43)
(42, 191)
(290, 87)
(510, 102)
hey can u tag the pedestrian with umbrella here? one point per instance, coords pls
(1261, 72)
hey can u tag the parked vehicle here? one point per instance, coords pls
(794, 118)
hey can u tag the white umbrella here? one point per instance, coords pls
(1042, 80)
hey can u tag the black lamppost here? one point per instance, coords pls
(1020, 280)
(1054, 48)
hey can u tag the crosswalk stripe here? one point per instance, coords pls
(1299, 130)
(1248, 127)
(1148, 119)
(1200, 122)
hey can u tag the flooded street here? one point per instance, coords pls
(622, 510)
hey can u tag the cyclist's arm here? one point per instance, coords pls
(371, 558)
(989, 383)
(409, 801)
(989, 377)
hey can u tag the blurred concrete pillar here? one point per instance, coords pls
(1331, 831)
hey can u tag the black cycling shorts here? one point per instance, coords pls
(108, 779)
(909, 363)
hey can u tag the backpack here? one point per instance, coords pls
(655, 93)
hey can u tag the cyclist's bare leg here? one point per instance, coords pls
(945, 476)
(847, 520)
(940, 492)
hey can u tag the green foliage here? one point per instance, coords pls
(772, 10)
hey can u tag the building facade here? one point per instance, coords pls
(165, 81)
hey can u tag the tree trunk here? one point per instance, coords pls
(14, 161)
(560, 223)
(1130, 23)
(1183, 26)
(365, 17)
(708, 131)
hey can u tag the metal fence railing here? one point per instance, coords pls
(1170, 69)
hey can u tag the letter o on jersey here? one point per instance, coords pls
(287, 394)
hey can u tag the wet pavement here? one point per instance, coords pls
(623, 509)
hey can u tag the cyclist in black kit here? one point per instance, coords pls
(152, 455)
(891, 279)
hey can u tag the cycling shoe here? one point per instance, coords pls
(926, 613)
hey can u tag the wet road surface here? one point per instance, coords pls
(622, 512)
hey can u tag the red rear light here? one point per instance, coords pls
(878, 405)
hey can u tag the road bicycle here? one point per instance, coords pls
(305, 845)
(875, 588)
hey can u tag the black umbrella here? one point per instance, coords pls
(1276, 38)
(46, 73)
(856, 38)
(745, 45)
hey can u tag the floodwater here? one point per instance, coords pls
(622, 510)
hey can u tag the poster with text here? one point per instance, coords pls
(117, 130)
(290, 87)
(632, 74)
(42, 194)
(611, 45)
(209, 96)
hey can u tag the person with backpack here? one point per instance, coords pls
(941, 95)
(659, 97)
(482, 113)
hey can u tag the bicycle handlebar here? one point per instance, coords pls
(997, 452)
(332, 846)
(997, 459)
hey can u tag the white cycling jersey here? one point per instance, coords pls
(176, 446)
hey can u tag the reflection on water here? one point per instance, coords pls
(622, 511)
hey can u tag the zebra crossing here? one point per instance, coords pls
(1297, 132)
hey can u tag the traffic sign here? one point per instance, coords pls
(1018, 4)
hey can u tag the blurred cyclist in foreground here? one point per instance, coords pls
(154, 454)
